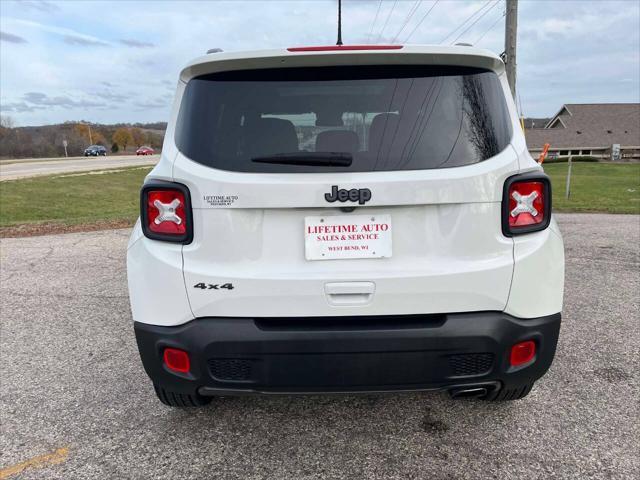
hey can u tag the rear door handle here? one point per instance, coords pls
(349, 293)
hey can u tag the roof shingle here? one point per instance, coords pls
(590, 125)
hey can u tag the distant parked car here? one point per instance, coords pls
(95, 150)
(145, 151)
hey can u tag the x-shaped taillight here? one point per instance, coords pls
(524, 203)
(167, 212)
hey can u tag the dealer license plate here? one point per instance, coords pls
(347, 236)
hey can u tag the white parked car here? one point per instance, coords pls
(345, 219)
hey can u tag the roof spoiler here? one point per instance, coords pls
(343, 56)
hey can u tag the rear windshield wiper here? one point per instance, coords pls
(312, 159)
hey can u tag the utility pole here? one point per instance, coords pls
(510, 40)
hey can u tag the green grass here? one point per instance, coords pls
(596, 187)
(72, 200)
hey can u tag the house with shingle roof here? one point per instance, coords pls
(609, 131)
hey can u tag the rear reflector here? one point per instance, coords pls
(166, 212)
(522, 353)
(526, 206)
(334, 48)
(176, 360)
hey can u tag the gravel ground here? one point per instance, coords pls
(71, 377)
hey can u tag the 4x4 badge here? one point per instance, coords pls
(360, 195)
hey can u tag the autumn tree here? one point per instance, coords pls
(83, 130)
(6, 121)
(139, 137)
(122, 137)
(91, 135)
(98, 139)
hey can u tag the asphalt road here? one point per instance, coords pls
(73, 387)
(47, 166)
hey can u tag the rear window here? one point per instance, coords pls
(372, 118)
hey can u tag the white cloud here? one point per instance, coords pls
(70, 36)
(40, 5)
(128, 58)
(11, 38)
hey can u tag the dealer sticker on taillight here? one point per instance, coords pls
(335, 237)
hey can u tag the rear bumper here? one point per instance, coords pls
(348, 354)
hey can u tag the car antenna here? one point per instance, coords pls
(339, 42)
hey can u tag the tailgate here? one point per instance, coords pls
(447, 250)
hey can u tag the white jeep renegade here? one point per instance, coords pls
(345, 219)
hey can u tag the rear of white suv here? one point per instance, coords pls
(345, 219)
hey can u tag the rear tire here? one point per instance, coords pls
(512, 392)
(180, 400)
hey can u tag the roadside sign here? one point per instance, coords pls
(64, 144)
(615, 151)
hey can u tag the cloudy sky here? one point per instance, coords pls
(118, 61)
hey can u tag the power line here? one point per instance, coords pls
(421, 20)
(476, 20)
(489, 29)
(465, 22)
(412, 11)
(374, 22)
(387, 20)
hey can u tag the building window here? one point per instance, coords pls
(564, 152)
(575, 152)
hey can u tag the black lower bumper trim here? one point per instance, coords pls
(226, 392)
(237, 356)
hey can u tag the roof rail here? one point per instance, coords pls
(214, 50)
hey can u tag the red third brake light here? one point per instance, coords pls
(335, 48)
(165, 212)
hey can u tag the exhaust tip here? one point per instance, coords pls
(469, 392)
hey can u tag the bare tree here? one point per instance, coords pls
(6, 121)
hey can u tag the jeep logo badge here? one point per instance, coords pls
(360, 195)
